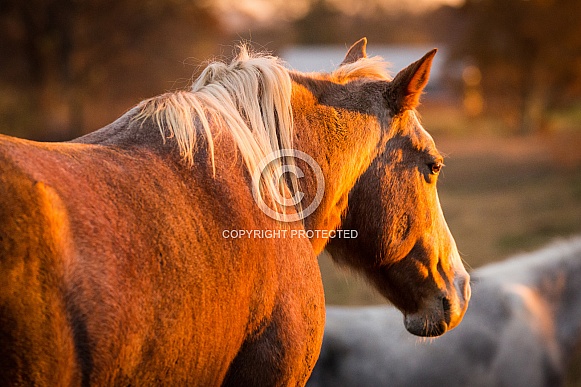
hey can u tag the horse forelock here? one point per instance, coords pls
(250, 98)
(375, 68)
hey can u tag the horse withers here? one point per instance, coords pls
(140, 253)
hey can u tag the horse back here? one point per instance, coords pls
(117, 259)
(96, 253)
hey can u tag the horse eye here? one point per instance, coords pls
(436, 167)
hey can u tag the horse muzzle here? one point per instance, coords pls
(444, 312)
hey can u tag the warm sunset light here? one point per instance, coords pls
(252, 192)
(268, 11)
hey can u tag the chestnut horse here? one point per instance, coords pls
(133, 258)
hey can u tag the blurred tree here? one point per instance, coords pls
(529, 53)
(325, 23)
(60, 55)
(321, 25)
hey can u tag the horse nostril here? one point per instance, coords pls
(447, 308)
(463, 288)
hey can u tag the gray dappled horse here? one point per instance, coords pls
(522, 328)
(117, 261)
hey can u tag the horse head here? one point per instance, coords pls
(404, 246)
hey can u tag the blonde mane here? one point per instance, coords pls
(250, 98)
(374, 68)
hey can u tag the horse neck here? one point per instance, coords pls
(342, 141)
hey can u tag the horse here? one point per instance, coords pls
(174, 246)
(522, 329)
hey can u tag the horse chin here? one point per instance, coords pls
(430, 322)
(419, 325)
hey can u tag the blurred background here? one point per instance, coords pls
(504, 100)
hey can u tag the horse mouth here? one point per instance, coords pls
(431, 325)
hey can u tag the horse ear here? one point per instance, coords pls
(356, 52)
(406, 88)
